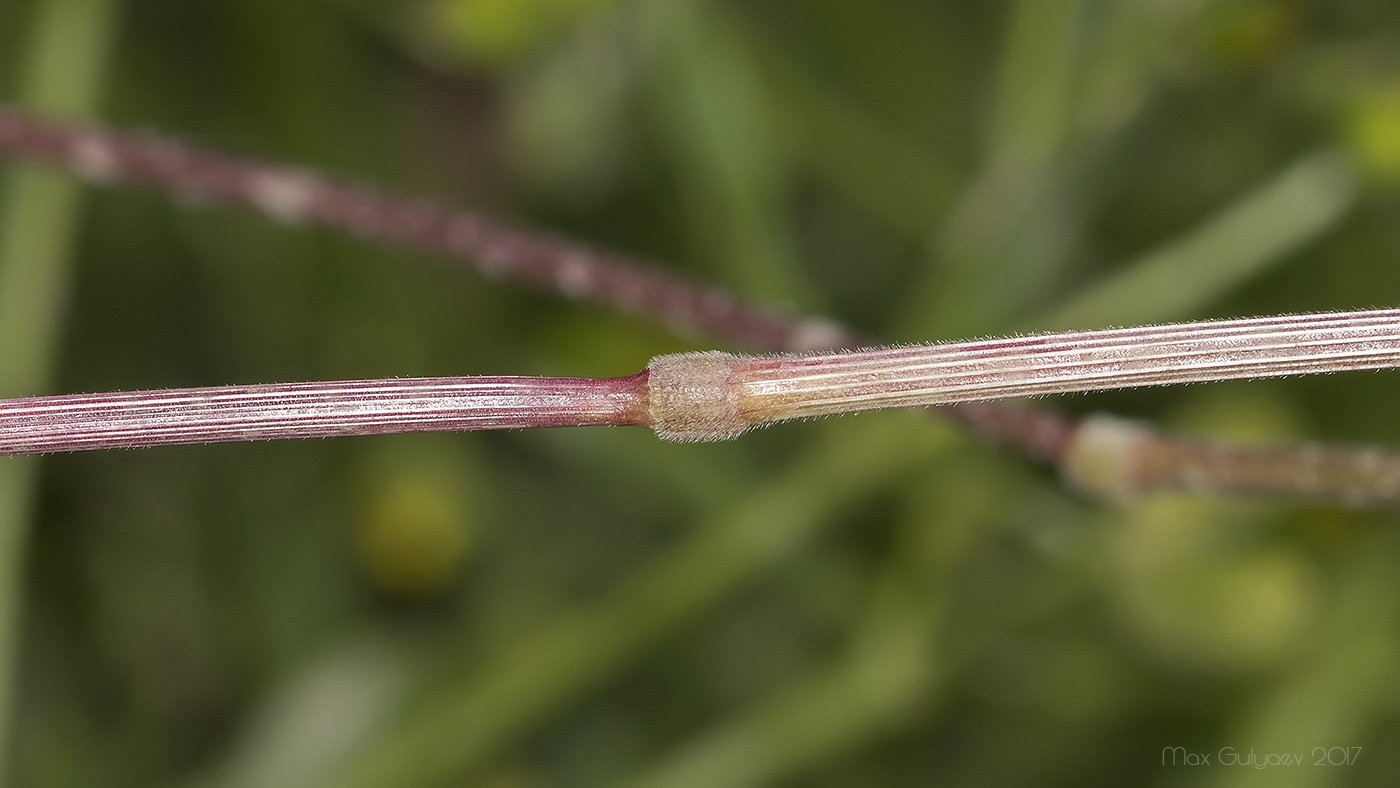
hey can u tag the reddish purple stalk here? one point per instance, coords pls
(315, 410)
(295, 194)
(299, 196)
(717, 396)
(725, 395)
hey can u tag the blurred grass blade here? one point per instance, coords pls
(714, 114)
(462, 726)
(1037, 81)
(1337, 695)
(1004, 247)
(1072, 75)
(1132, 44)
(891, 669)
(902, 184)
(37, 229)
(855, 702)
(1242, 241)
(67, 56)
(1015, 224)
(320, 714)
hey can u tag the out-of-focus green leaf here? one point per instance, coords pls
(496, 31)
(890, 671)
(461, 725)
(566, 113)
(1015, 223)
(1341, 683)
(64, 67)
(903, 184)
(1240, 242)
(319, 715)
(709, 102)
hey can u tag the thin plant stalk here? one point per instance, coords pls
(716, 396)
(766, 390)
(296, 194)
(314, 410)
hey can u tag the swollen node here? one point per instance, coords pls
(1107, 455)
(693, 397)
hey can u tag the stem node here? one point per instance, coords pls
(693, 397)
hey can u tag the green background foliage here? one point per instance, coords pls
(874, 600)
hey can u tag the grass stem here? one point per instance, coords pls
(710, 396)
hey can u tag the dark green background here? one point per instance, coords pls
(335, 612)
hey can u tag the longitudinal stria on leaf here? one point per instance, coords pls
(1104, 454)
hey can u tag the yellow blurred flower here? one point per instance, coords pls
(1196, 602)
(415, 523)
(1252, 32)
(1373, 131)
(496, 31)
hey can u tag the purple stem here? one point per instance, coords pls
(294, 194)
(315, 410)
(1076, 361)
(298, 196)
(714, 396)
